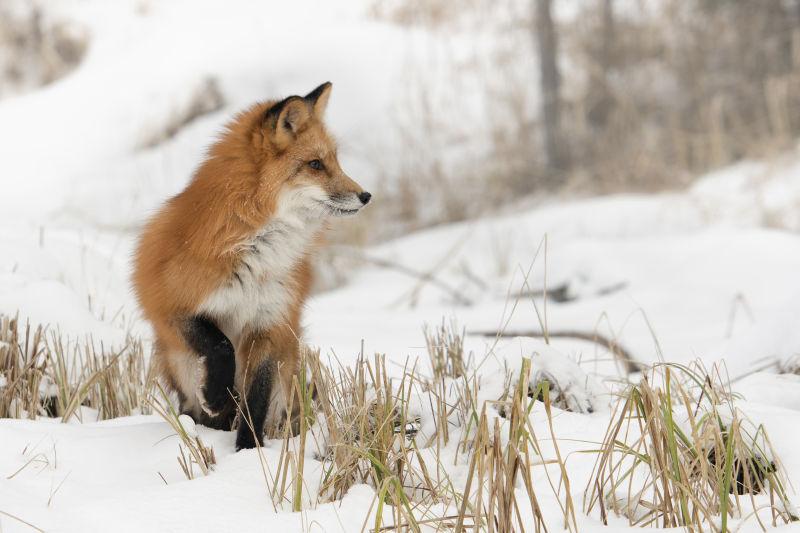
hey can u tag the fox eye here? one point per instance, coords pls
(316, 164)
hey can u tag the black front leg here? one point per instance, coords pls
(255, 407)
(217, 355)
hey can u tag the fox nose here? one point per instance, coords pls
(364, 197)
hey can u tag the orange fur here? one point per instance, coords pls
(257, 173)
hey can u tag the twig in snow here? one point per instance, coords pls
(623, 355)
(423, 277)
(18, 519)
(560, 293)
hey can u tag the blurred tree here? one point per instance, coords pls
(600, 100)
(550, 78)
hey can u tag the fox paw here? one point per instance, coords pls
(211, 402)
(570, 387)
(246, 439)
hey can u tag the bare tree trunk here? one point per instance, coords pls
(555, 150)
(599, 99)
(609, 30)
(796, 34)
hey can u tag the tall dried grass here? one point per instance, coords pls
(43, 373)
(677, 453)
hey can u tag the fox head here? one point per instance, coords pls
(295, 158)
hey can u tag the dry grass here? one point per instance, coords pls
(373, 436)
(35, 50)
(47, 374)
(191, 450)
(446, 350)
(370, 437)
(501, 460)
(677, 453)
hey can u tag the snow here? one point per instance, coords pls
(709, 273)
(685, 285)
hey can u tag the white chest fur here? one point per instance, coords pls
(260, 291)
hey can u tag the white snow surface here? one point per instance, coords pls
(711, 273)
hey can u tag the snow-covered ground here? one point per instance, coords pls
(710, 273)
(681, 276)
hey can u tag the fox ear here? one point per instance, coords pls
(318, 98)
(284, 119)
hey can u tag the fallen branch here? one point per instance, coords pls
(561, 293)
(622, 355)
(423, 277)
(18, 519)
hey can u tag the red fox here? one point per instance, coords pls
(222, 270)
